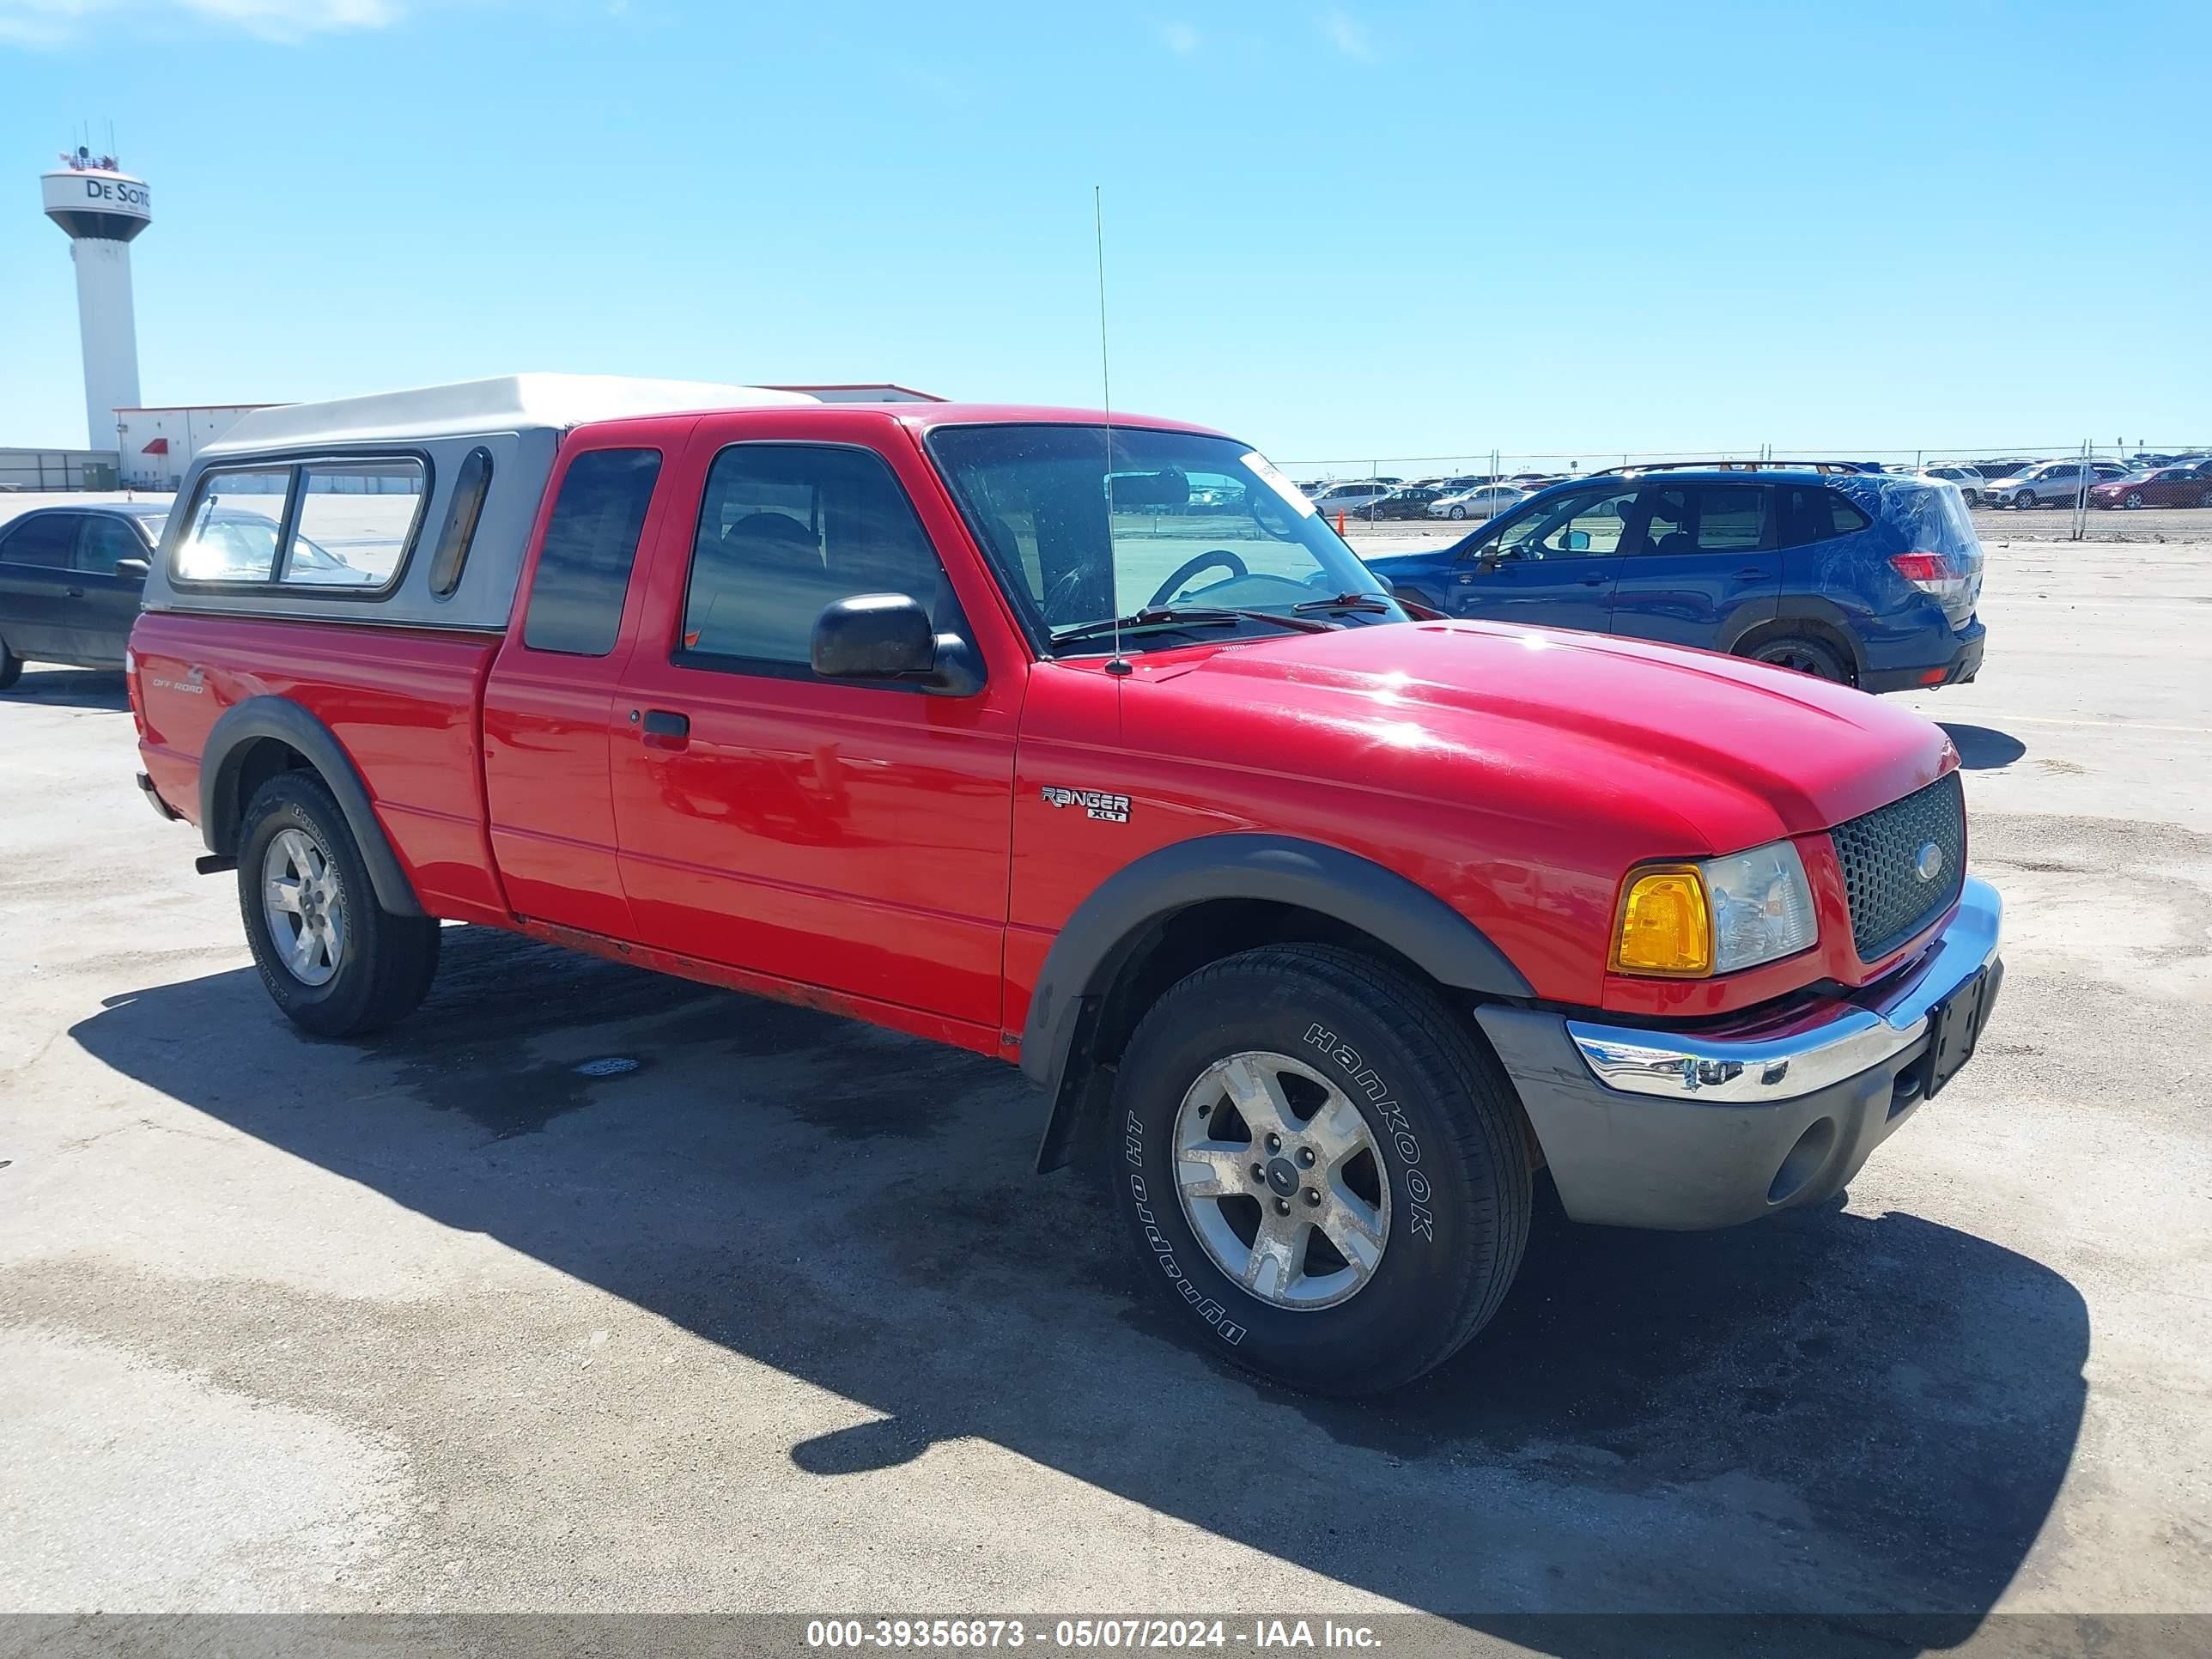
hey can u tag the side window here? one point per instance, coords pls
(787, 529)
(1810, 514)
(106, 542)
(471, 482)
(1731, 517)
(1582, 526)
(591, 543)
(357, 521)
(230, 534)
(45, 540)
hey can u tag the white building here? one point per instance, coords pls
(154, 446)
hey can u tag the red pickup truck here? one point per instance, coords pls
(1324, 925)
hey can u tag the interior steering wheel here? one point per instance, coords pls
(1190, 567)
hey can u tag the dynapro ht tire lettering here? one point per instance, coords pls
(1321, 1167)
(334, 960)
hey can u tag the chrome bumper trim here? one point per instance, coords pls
(1756, 1063)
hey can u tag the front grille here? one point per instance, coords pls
(1881, 852)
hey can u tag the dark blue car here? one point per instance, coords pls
(1864, 578)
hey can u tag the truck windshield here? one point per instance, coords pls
(1176, 521)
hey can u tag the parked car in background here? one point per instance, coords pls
(1869, 579)
(71, 578)
(2166, 486)
(1406, 502)
(2003, 467)
(1971, 483)
(1484, 500)
(1351, 496)
(2051, 483)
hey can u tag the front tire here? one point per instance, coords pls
(2134, 498)
(2024, 502)
(1391, 1204)
(1455, 513)
(333, 959)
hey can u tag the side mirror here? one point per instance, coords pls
(886, 637)
(1577, 541)
(135, 570)
(872, 636)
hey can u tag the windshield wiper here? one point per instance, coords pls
(1154, 618)
(1376, 602)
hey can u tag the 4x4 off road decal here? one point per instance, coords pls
(1366, 1081)
(1095, 803)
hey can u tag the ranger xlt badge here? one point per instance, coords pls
(1095, 803)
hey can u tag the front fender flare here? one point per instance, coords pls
(245, 723)
(1108, 927)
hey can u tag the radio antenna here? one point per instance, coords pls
(1119, 663)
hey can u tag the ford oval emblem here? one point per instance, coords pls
(1928, 862)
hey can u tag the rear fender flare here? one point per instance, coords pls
(280, 718)
(1099, 939)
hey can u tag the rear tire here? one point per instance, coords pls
(2205, 500)
(11, 666)
(1806, 656)
(1433, 1199)
(296, 839)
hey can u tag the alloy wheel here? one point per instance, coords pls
(1281, 1180)
(303, 908)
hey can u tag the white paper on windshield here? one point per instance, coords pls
(1293, 497)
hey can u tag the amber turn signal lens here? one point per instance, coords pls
(1665, 926)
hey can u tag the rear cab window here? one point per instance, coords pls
(591, 543)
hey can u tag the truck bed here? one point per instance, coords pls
(406, 703)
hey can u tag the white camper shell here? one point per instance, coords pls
(407, 507)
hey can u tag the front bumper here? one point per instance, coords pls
(1961, 666)
(1652, 1127)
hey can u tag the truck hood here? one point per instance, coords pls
(1708, 753)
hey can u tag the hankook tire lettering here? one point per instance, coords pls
(1421, 1221)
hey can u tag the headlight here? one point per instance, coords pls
(1718, 916)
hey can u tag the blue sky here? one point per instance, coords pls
(1388, 230)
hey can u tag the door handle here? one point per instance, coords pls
(1750, 573)
(1594, 582)
(665, 723)
(75, 592)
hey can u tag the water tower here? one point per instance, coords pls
(100, 208)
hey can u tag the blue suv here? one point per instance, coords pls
(1857, 576)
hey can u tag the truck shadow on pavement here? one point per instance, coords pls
(1982, 748)
(1833, 1413)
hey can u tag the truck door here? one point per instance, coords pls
(1550, 567)
(103, 601)
(850, 835)
(35, 582)
(1699, 566)
(548, 701)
